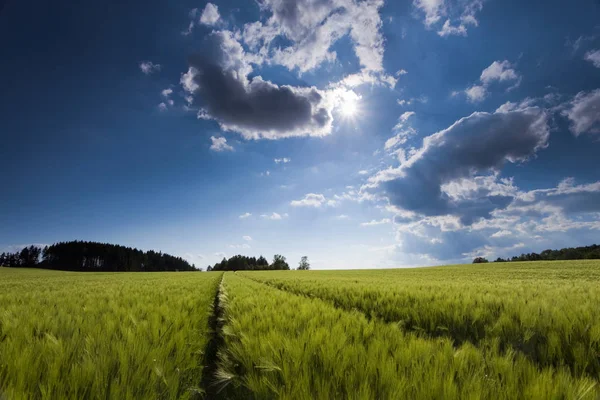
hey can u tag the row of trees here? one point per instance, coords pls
(568, 253)
(243, 263)
(92, 256)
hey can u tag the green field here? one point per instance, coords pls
(501, 331)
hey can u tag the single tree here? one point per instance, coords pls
(303, 265)
(279, 262)
(479, 260)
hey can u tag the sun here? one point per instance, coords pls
(348, 107)
(348, 104)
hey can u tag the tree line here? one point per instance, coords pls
(568, 253)
(93, 256)
(244, 263)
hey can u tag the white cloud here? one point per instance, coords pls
(457, 15)
(247, 238)
(584, 113)
(274, 216)
(282, 160)
(219, 144)
(342, 217)
(476, 93)
(502, 233)
(376, 222)
(593, 56)
(166, 93)
(210, 15)
(245, 215)
(193, 13)
(448, 29)
(220, 255)
(510, 106)
(313, 27)
(310, 200)
(434, 10)
(405, 102)
(188, 82)
(162, 107)
(148, 67)
(405, 116)
(401, 72)
(498, 71)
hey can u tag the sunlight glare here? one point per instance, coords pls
(348, 103)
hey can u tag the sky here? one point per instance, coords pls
(360, 133)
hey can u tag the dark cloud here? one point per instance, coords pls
(256, 108)
(475, 144)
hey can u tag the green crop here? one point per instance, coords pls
(490, 331)
(282, 345)
(549, 311)
(68, 335)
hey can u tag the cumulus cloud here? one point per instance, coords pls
(162, 107)
(247, 238)
(313, 27)
(283, 160)
(148, 67)
(593, 56)
(166, 93)
(584, 113)
(210, 15)
(245, 215)
(477, 144)
(255, 108)
(219, 144)
(476, 93)
(498, 71)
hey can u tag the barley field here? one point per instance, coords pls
(69, 335)
(493, 331)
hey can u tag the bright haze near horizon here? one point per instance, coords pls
(363, 134)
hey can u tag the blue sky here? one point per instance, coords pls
(362, 134)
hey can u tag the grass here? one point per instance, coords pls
(282, 345)
(548, 311)
(103, 335)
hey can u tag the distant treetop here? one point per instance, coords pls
(568, 253)
(243, 263)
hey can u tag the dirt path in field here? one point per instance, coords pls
(211, 354)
